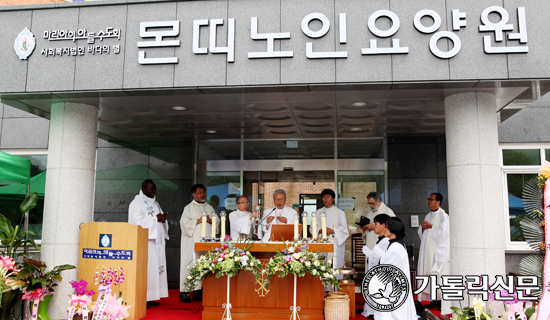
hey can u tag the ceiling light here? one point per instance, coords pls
(210, 131)
(359, 104)
(355, 129)
(178, 108)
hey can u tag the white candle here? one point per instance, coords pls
(304, 224)
(324, 226)
(296, 230)
(222, 237)
(214, 225)
(203, 231)
(314, 226)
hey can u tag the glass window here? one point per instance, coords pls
(360, 149)
(12, 195)
(521, 157)
(289, 149)
(547, 154)
(219, 150)
(515, 183)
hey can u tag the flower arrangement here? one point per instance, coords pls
(230, 259)
(544, 174)
(38, 282)
(8, 273)
(110, 306)
(80, 302)
(297, 259)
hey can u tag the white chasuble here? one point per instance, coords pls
(240, 223)
(435, 251)
(143, 212)
(287, 212)
(336, 220)
(191, 233)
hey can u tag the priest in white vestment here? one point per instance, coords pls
(191, 232)
(376, 207)
(145, 211)
(435, 248)
(280, 214)
(337, 227)
(373, 258)
(242, 221)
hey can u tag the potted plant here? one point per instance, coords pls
(12, 239)
(39, 285)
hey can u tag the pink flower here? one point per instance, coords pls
(225, 246)
(8, 263)
(115, 309)
(301, 259)
(227, 237)
(36, 294)
(242, 253)
(298, 249)
(282, 263)
(215, 260)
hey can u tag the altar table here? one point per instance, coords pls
(245, 291)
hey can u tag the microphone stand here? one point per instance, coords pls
(258, 224)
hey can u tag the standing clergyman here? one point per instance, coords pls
(145, 211)
(191, 229)
(337, 227)
(435, 249)
(376, 207)
(280, 214)
(241, 220)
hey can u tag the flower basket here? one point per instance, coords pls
(79, 316)
(337, 306)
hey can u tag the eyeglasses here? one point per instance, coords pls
(430, 199)
(242, 203)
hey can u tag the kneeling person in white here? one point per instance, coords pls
(373, 258)
(397, 256)
(145, 211)
(241, 220)
(337, 227)
(280, 214)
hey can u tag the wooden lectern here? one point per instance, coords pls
(116, 244)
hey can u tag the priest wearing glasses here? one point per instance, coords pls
(435, 249)
(279, 214)
(241, 221)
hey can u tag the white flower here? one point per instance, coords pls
(316, 263)
(210, 268)
(291, 250)
(323, 268)
(307, 263)
(251, 264)
(231, 254)
(236, 259)
(189, 277)
(314, 272)
(297, 255)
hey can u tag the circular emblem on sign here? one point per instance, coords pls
(385, 288)
(24, 44)
(105, 240)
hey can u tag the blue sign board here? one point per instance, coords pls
(106, 254)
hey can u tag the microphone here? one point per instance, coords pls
(257, 225)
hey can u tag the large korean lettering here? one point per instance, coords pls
(159, 42)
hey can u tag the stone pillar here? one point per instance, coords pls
(476, 209)
(69, 194)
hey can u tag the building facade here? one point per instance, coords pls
(404, 98)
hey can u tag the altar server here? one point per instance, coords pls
(241, 221)
(145, 211)
(280, 214)
(397, 256)
(337, 226)
(435, 249)
(191, 232)
(373, 259)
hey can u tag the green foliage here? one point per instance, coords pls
(35, 275)
(12, 238)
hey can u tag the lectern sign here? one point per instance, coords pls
(107, 254)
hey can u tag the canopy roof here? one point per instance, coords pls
(14, 169)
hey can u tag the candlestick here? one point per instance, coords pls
(214, 226)
(203, 229)
(304, 224)
(324, 225)
(296, 230)
(314, 231)
(222, 236)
